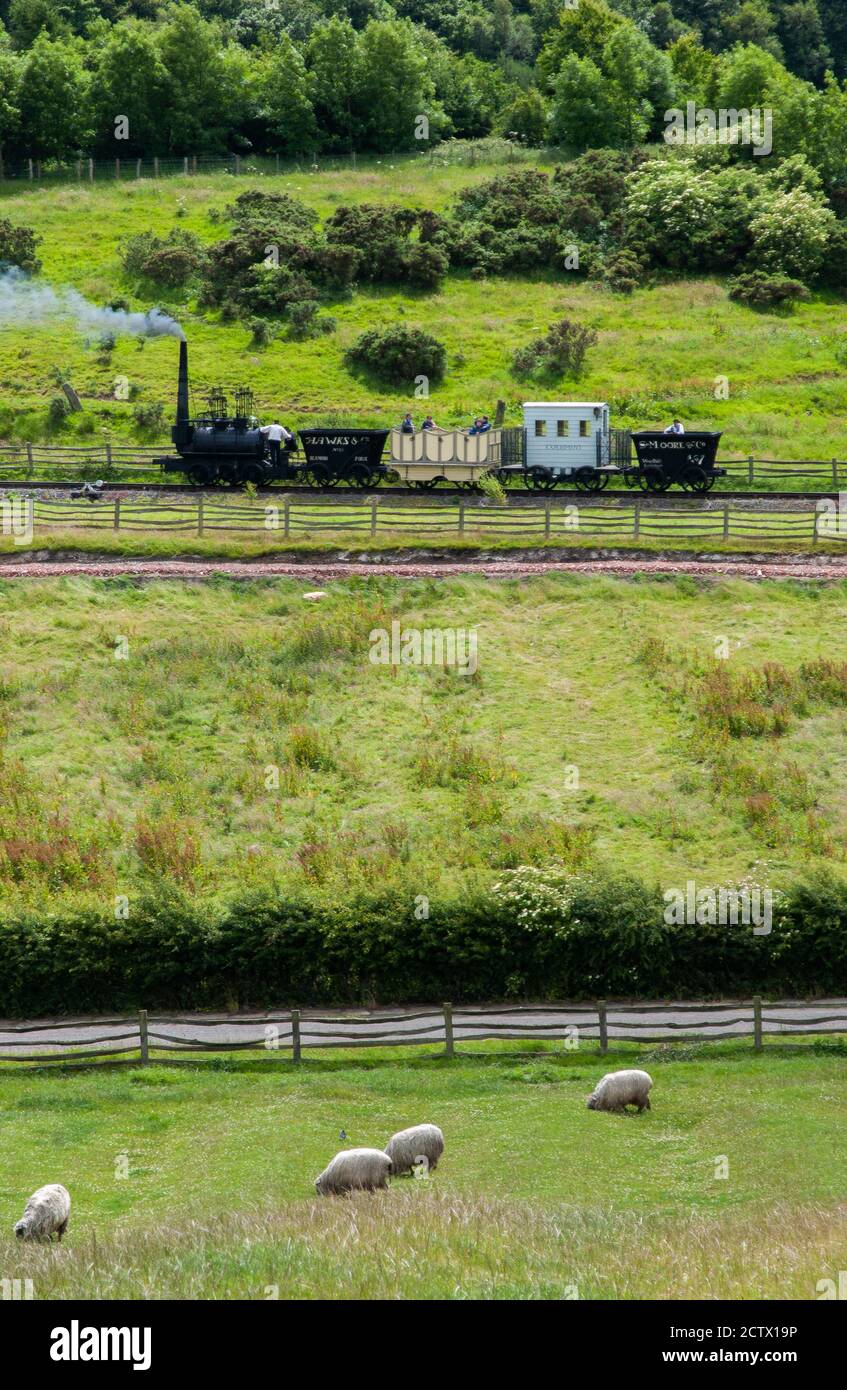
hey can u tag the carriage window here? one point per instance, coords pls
(562, 429)
(583, 429)
(540, 429)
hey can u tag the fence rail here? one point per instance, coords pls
(135, 1039)
(22, 517)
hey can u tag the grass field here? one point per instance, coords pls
(227, 735)
(536, 1196)
(659, 353)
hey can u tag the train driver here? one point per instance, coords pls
(676, 428)
(276, 434)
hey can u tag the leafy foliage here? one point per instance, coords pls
(399, 354)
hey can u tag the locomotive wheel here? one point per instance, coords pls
(359, 476)
(540, 480)
(631, 479)
(589, 480)
(199, 475)
(696, 479)
(252, 473)
(321, 477)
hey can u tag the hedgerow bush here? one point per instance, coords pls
(764, 291)
(540, 933)
(561, 352)
(18, 246)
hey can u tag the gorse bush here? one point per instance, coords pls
(18, 247)
(763, 291)
(399, 354)
(561, 352)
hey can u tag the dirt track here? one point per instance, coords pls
(322, 572)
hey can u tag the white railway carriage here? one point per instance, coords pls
(565, 440)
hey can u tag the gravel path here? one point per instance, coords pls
(325, 1027)
(322, 572)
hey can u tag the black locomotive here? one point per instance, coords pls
(217, 446)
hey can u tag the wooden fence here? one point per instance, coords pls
(369, 516)
(147, 1037)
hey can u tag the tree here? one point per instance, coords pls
(392, 86)
(694, 69)
(29, 18)
(804, 42)
(206, 83)
(10, 112)
(753, 22)
(527, 118)
(629, 60)
(54, 106)
(130, 80)
(582, 116)
(285, 105)
(582, 32)
(331, 65)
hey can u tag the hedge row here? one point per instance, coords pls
(174, 953)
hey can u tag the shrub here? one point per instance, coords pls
(168, 261)
(261, 332)
(624, 272)
(399, 354)
(18, 245)
(149, 418)
(763, 291)
(57, 411)
(560, 352)
(791, 235)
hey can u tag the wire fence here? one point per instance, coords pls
(22, 518)
(147, 1037)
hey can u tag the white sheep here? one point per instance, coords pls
(410, 1146)
(617, 1089)
(47, 1210)
(352, 1170)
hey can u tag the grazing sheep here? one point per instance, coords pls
(411, 1145)
(617, 1089)
(47, 1210)
(354, 1169)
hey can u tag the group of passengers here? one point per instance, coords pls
(481, 424)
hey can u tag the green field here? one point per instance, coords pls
(245, 739)
(659, 353)
(535, 1194)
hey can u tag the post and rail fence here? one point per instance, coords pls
(172, 1039)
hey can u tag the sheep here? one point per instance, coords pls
(411, 1146)
(617, 1089)
(353, 1169)
(47, 1210)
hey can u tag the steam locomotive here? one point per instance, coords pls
(217, 446)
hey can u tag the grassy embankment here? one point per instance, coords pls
(659, 351)
(536, 1195)
(118, 773)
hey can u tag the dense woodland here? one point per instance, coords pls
(296, 77)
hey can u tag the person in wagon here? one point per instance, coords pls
(429, 424)
(676, 428)
(408, 425)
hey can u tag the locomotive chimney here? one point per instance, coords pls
(182, 387)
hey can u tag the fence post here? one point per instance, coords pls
(138, 168)
(726, 521)
(200, 515)
(449, 1050)
(143, 1042)
(296, 1049)
(604, 1026)
(155, 166)
(835, 473)
(29, 455)
(237, 164)
(91, 171)
(79, 171)
(373, 516)
(194, 164)
(117, 168)
(462, 517)
(185, 165)
(636, 529)
(815, 527)
(108, 454)
(116, 524)
(30, 515)
(757, 1022)
(286, 514)
(750, 477)
(547, 517)
(30, 171)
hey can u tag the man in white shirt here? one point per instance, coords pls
(675, 428)
(275, 434)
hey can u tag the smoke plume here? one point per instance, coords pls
(27, 301)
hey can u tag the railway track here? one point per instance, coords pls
(348, 494)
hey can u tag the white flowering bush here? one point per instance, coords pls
(538, 899)
(791, 235)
